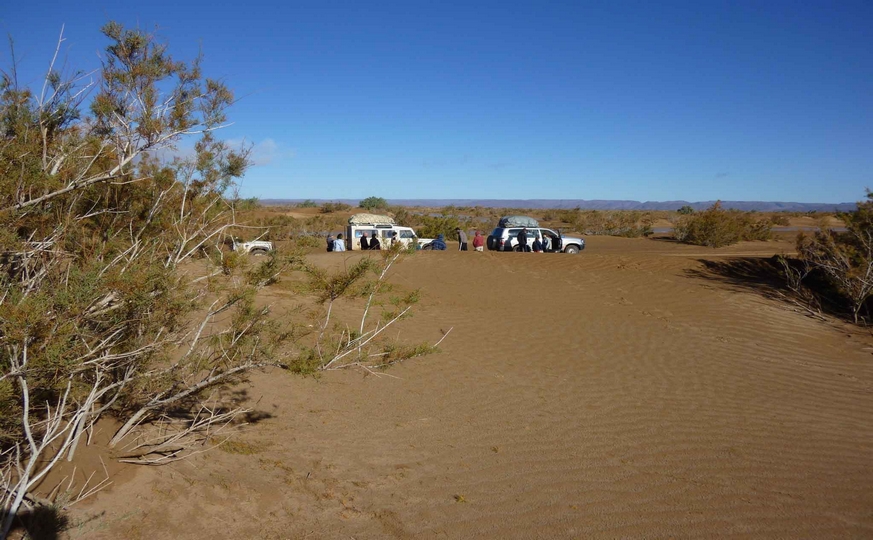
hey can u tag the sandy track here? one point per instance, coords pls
(611, 394)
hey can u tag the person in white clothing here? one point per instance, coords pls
(339, 244)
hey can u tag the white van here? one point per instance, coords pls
(383, 227)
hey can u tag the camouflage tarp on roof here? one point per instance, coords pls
(518, 221)
(370, 219)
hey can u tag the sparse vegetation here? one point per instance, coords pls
(628, 223)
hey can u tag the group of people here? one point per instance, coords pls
(478, 241)
(366, 243)
(336, 244)
(538, 246)
(369, 243)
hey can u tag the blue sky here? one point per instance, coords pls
(553, 100)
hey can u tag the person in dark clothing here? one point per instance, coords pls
(374, 241)
(522, 240)
(365, 244)
(537, 245)
(330, 242)
(439, 244)
(462, 239)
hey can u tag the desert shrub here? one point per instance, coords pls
(308, 241)
(100, 312)
(844, 258)
(372, 203)
(330, 207)
(780, 220)
(685, 210)
(431, 226)
(717, 227)
(629, 224)
(570, 216)
(549, 215)
(308, 203)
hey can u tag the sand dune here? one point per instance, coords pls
(617, 393)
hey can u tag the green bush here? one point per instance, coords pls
(371, 203)
(717, 227)
(308, 203)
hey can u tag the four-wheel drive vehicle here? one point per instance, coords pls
(506, 239)
(384, 228)
(255, 247)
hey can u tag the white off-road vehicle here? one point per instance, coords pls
(383, 228)
(505, 237)
(255, 247)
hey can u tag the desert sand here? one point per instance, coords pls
(629, 391)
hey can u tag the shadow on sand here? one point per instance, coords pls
(765, 277)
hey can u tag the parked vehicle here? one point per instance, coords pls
(506, 239)
(383, 227)
(256, 247)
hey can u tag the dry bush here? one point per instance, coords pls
(340, 344)
(330, 207)
(844, 258)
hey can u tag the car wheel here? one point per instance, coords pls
(427, 247)
(572, 250)
(258, 253)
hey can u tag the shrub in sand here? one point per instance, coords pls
(114, 299)
(717, 227)
(627, 223)
(844, 258)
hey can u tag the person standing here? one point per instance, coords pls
(462, 239)
(339, 244)
(395, 239)
(522, 240)
(374, 241)
(365, 244)
(478, 242)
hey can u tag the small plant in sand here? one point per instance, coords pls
(339, 345)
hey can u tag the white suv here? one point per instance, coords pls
(506, 239)
(255, 247)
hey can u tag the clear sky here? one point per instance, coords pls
(700, 100)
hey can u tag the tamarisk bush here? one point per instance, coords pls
(845, 258)
(115, 298)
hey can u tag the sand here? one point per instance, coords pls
(628, 391)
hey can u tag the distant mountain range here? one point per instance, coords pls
(760, 206)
